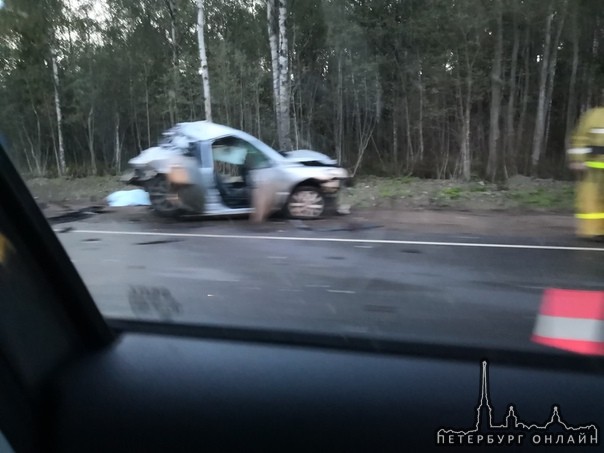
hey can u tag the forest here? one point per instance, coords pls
(465, 89)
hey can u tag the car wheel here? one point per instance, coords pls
(305, 202)
(163, 198)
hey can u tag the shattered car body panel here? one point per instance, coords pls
(206, 168)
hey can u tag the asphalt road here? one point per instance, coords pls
(339, 276)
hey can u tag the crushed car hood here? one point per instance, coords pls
(309, 157)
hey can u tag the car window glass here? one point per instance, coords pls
(231, 154)
(255, 159)
(228, 159)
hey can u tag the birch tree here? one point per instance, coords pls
(274, 48)
(61, 164)
(173, 91)
(203, 70)
(277, 32)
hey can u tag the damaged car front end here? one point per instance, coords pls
(171, 178)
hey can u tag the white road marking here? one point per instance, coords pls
(364, 246)
(341, 291)
(345, 240)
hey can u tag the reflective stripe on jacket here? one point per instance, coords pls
(588, 139)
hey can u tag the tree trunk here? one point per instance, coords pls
(395, 142)
(540, 118)
(364, 125)
(339, 118)
(509, 121)
(203, 70)
(593, 65)
(274, 47)
(421, 116)
(410, 153)
(90, 125)
(61, 151)
(258, 119)
(148, 116)
(117, 152)
(466, 102)
(466, 161)
(552, 75)
(492, 164)
(523, 109)
(571, 109)
(297, 116)
(173, 93)
(284, 81)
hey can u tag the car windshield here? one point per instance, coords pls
(448, 187)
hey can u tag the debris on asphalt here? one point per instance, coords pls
(344, 209)
(65, 230)
(75, 214)
(122, 198)
(351, 226)
(300, 225)
(160, 241)
(340, 226)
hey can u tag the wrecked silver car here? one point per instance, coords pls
(205, 168)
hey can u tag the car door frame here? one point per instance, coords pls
(271, 172)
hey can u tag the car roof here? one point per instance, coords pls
(205, 130)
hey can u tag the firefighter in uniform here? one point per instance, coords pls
(586, 157)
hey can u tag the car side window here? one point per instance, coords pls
(255, 159)
(232, 154)
(228, 158)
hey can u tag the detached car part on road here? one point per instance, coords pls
(207, 168)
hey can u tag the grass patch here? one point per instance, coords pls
(408, 179)
(479, 189)
(390, 193)
(373, 191)
(545, 198)
(392, 189)
(451, 193)
(89, 189)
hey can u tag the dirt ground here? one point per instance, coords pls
(488, 223)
